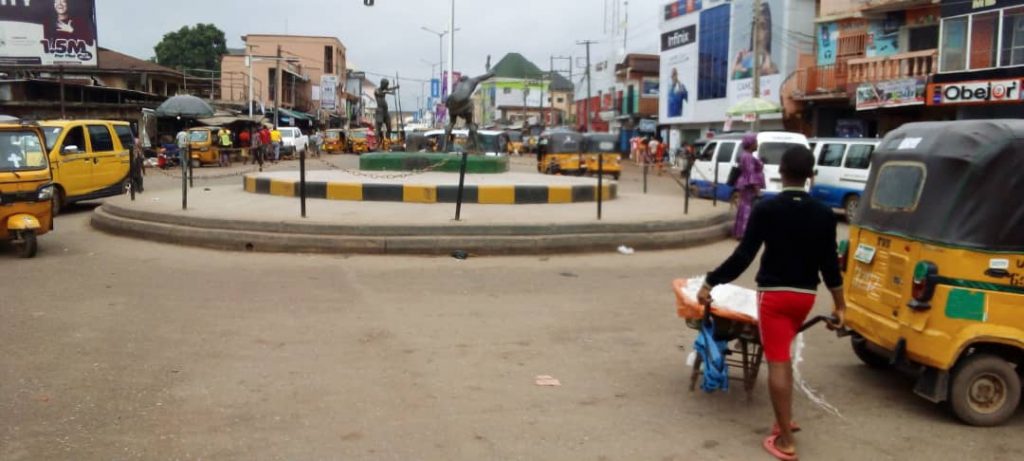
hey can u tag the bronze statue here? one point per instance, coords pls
(460, 104)
(383, 118)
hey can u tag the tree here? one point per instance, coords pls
(196, 47)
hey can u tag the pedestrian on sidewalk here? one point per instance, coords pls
(749, 184)
(139, 171)
(264, 144)
(224, 136)
(244, 142)
(275, 139)
(799, 238)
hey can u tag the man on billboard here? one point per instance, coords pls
(64, 25)
(677, 95)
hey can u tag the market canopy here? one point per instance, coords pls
(754, 106)
(184, 105)
(228, 120)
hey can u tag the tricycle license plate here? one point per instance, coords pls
(865, 253)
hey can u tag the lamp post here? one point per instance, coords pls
(440, 48)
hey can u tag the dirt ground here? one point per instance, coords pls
(113, 348)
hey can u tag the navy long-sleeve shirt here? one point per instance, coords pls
(799, 237)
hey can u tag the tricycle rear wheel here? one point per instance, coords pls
(985, 390)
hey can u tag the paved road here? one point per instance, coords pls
(113, 348)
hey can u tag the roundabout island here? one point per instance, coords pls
(404, 203)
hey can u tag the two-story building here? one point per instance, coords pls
(981, 60)
(636, 96)
(517, 94)
(304, 61)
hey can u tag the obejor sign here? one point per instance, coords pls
(976, 92)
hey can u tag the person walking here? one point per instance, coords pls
(265, 145)
(245, 141)
(275, 140)
(224, 136)
(799, 238)
(749, 184)
(139, 166)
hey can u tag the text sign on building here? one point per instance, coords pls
(891, 93)
(435, 88)
(678, 38)
(975, 92)
(45, 33)
(328, 92)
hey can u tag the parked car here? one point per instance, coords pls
(89, 158)
(710, 172)
(293, 141)
(842, 171)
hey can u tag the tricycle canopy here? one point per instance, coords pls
(952, 183)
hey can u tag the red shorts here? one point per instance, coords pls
(780, 314)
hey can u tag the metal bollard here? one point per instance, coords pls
(302, 181)
(600, 184)
(462, 182)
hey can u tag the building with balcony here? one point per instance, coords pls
(981, 60)
(520, 92)
(305, 60)
(872, 63)
(636, 97)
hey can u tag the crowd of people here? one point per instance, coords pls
(653, 151)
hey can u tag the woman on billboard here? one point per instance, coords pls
(64, 25)
(743, 67)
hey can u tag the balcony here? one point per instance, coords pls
(898, 66)
(821, 82)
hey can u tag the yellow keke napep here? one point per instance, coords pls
(358, 141)
(89, 159)
(334, 141)
(26, 187)
(203, 144)
(936, 278)
(603, 145)
(559, 152)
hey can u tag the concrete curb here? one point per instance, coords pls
(426, 240)
(429, 193)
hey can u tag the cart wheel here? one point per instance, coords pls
(28, 246)
(866, 355)
(985, 390)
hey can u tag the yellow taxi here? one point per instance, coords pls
(90, 159)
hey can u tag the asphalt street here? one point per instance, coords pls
(115, 348)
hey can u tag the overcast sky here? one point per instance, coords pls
(387, 37)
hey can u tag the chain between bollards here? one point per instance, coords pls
(462, 183)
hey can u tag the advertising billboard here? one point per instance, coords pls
(771, 44)
(48, 33)
(695, 65)
(329, 92)
(891, 93)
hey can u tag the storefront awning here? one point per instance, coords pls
(297, 115)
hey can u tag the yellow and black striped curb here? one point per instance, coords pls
(430, 193)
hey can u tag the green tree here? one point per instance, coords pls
(196, 47)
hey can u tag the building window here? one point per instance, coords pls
(954, 44)
(560, 100)
(328, 59)
(924, 38)
(1013, 37)
(713, 54)
(984, 40)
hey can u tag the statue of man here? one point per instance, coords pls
(383, 118)
(460, 105)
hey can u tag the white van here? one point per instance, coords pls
(723, 152)
(842, 166)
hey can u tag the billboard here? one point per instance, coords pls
(48, 33)
(695, 65)
(678, 71)
(771, 43)
(891, 93)
(329, 92)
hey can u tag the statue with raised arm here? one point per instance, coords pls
(383, 118)
(460, 105)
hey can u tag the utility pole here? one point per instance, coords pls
(586, 103)
(248, 60)
(555, 72)
(277, 90)
(526, 91)
(451, 52)
(625, 30)
(551, 76)
(756, 70)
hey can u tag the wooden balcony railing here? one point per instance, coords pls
(902, 65)
(821, 80)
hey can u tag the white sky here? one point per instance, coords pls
(387, 37)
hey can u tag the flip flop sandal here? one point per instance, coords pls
(769, 446)
(793, 427)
